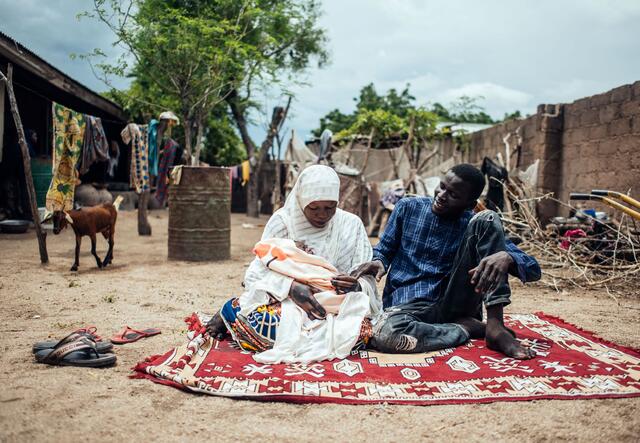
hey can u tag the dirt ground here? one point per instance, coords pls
(144, 289)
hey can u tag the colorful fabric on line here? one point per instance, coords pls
(246, 171)
(153, 147)
(95, 147)
(571, 364)
(68, 130)
(136, 135)
(166, 161)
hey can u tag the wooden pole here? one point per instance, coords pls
(26, 161)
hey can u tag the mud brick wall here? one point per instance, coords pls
(601, 142)
(591, 143)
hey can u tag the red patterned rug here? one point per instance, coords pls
(571, 364)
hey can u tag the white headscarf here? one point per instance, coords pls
(315, 183)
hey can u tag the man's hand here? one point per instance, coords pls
(375, 268)
(345, 283)
(490, 272)
(302, 295)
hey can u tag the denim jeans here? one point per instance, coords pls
(421, 325)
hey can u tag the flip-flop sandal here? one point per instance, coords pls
(129, 335)
(81, 352)
(89, 332)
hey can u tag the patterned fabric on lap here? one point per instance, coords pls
(257, 331)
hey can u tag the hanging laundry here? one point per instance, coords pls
(246, 170)
(95, 147)
(166, 161)
(153, 147)
(68, 130)
(137, 136)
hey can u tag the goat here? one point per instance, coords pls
(90, 221)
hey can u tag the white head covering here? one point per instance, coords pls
(315, 183)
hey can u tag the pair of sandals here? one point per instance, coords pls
(85, 348)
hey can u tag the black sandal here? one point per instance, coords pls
(81, 352)
(101, 346)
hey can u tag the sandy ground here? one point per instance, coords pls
(143, 289)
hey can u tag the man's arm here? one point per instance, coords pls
(391, 239)
(525, 267)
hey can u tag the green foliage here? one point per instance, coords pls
(512, 116)
(222, 145)
(384, 122)
(402, 104)
(191, 55)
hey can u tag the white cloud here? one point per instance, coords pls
(516, 54)
(496, 98)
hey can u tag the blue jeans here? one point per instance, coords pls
(421, 325)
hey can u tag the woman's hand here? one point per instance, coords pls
(345, 283)
(303, 296)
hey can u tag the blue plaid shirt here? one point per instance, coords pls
(418, 249)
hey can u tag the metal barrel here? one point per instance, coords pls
(200, 215)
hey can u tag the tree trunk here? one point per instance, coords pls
(26, 161)
(199, 141)
(237, 110)
(144, 228)
(187, 140)
(256, 159)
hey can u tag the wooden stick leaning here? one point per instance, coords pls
(26, 161)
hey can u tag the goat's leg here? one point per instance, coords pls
(93, 249)
(109, 257)
(77, 261)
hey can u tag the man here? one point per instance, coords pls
(443, 263)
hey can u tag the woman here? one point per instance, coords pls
(279, 317)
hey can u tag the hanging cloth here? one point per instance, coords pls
(246, 170)
(68, 130)
(153, 147)
(137, 136)
(166, 161)
(95, 147)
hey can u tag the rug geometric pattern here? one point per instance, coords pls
(571, 364)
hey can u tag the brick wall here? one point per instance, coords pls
(591, 143)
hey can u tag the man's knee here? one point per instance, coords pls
(486, 218)
(392, 337)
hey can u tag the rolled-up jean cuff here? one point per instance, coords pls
(498, 300)
(464, 331)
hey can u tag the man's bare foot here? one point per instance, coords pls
(476, 328)
(499, 338)
(216, 327)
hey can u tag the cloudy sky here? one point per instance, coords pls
(515, 53)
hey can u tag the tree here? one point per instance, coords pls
(186, 51)
(282, 39)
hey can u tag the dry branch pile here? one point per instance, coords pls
(608, 257)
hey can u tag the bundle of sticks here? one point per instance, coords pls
(606, 258)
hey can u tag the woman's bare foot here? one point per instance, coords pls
(216, 327)
(499, 338)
